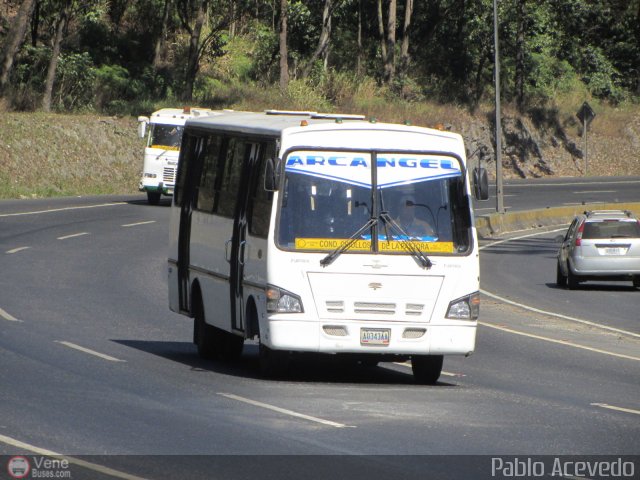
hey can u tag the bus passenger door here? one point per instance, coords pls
(239, 239)
(185, 196)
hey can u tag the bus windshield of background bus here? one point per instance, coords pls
(327, 197)
(164, 136)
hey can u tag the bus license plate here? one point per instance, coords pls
(375, 336)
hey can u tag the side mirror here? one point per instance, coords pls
(271, 175)
(480, 184)
(142, 126)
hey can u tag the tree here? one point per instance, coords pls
(15, 37)
(404, 52)
(197, 47)
(61, 24)
(284, 51)
(390, 60)
(160, 42)
(322, 49)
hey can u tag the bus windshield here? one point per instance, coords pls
(327, 197)
(165, 136)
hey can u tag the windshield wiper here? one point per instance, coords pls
(328, 260)
(406, 243)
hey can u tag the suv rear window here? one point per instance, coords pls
(611, 229)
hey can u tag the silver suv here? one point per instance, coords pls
(600, 245)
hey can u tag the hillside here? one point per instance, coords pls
(55, 154)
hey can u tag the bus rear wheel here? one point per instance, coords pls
(203, 334)
(426, 368)
(153, 198)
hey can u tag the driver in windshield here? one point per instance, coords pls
(407, 220)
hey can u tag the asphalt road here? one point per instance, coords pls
(95, 366)
(556, 192)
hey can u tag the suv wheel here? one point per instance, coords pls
(561, 280)
(572, 279)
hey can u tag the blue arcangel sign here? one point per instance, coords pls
(393, 169)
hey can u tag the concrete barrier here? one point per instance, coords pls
(495, 223)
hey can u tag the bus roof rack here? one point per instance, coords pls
(290, 112)
(338, 116)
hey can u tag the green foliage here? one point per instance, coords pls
(74, 81)
(108, 59)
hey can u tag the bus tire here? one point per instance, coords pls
(203, 334)
(426, 368)
(228, 346)
(273, 363)
(153, 198)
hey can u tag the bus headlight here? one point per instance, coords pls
(465, 308)
(281, 301)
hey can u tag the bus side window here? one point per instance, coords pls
(186, 165)
(260, 201)
(210, 168)
(229, 182)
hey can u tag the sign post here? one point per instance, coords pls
(585, 115)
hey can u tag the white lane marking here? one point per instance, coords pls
(90, 352)
(284, 411)
(8, 316)
(139, 223)
(544, 312)
(593, 191)
(558, 315)
(498, 242)
(76, 461)
(73, 235)
(61, 209)
(617, 182)
(561, 342)
(619, 409)
(16, 250)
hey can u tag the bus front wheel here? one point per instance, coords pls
(153, 198)
(273, 363)
(426, 368)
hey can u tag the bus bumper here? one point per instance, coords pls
(344, 337)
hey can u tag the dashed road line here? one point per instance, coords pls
(73, 235)
(560, 342)
(138, 223)
(89, 351)
(76, 461)
(619, 409)
(544, 312)
(284, 411)
(558, 315)
(593, 191)
(16, 250)
(8, 316)
(53, 210)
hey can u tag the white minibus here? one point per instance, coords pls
(324, 233)
(163, 147)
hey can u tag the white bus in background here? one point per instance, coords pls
(328, 235)
(163, 147)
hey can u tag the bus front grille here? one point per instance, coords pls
(169, 175)
(374, 308)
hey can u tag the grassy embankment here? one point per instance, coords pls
(58, 154)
